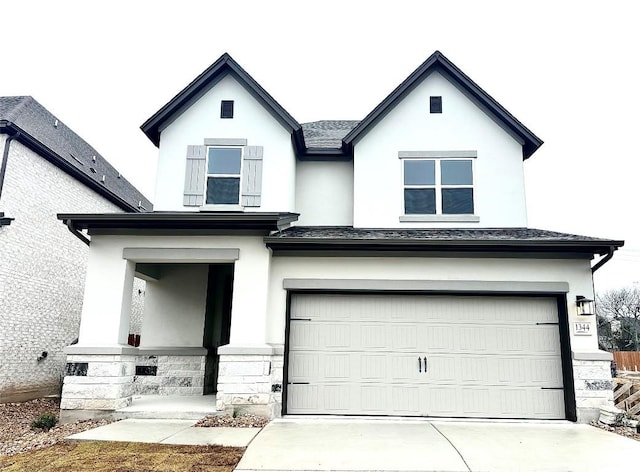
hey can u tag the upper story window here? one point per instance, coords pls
(224, 174)
(226, 109)
(438, 187)
(224, 170)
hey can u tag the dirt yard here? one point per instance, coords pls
(100, 456)
(24, 449)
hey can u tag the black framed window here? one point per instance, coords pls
(224, 167)
(438, 187)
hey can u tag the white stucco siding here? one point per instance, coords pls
(105, 311)
(576, 273)
(324, 193)
(175, 307)
(499, 194)
(42, 271)
(251, 121)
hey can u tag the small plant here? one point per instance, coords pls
(46, 421)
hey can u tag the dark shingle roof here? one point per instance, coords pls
(448, 239)
(327, 133)
(54, 140)
(439, 234)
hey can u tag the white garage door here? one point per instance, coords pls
(419, 355)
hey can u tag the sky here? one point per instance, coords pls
(569, 70)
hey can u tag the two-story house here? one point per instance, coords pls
(374, 267)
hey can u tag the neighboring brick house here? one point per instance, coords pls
(45, 169)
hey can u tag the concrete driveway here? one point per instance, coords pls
(419, 445)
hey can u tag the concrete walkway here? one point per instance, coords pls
(343, 444)
(168, 432)
(407, 445)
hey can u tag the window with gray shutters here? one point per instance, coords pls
(223, 175)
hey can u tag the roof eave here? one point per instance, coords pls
(179, 220)
(498, 246)
(36, 146)
(201, 84)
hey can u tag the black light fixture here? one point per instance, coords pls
(584, 305)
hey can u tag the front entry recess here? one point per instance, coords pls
(425, 355)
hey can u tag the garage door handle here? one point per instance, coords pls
(425, 364)
(419, 364)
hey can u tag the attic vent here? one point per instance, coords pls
(104, 177)
(226, 109)
(93, 158)
(119, 175)
(140, 206)
(55, 124)
(92, 170)
(435, 104)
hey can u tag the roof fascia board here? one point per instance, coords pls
(325, 154)
(445, 246)
(384, 107)
(438, 62)
(186, 221)
(203, 83)
(36, 146)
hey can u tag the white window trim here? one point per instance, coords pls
(438, 157)
(222, 206)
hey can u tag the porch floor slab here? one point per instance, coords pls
(171, 407)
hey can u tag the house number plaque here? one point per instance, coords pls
(582, 329)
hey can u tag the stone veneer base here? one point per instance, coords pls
(100, 381)
(592, 383)
(250, 380)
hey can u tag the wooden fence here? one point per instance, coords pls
(627, 360)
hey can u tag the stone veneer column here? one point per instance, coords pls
(250, 380)
(593, 386)
(96, 384)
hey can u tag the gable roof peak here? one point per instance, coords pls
(440, 63)
(224, 65)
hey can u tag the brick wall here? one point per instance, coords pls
(42, 272)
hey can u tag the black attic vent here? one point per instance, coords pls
(226, 109)
(435, 105)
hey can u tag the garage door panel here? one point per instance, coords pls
(485, 356)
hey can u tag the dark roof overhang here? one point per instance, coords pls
(325, 154)
(500, 243)
(178, 222)
(7, 127)
(438, 62)
(203, 83)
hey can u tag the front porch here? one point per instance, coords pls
(204, 327)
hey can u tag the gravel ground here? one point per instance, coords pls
(16, 435)
(626, 431)
(242, 421)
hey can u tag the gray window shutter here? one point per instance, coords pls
(195, 175)
(251, 176)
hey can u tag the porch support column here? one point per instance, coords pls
(250, 290)
(250, 370)
(106, 307)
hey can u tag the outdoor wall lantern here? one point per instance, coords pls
(585, 306)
